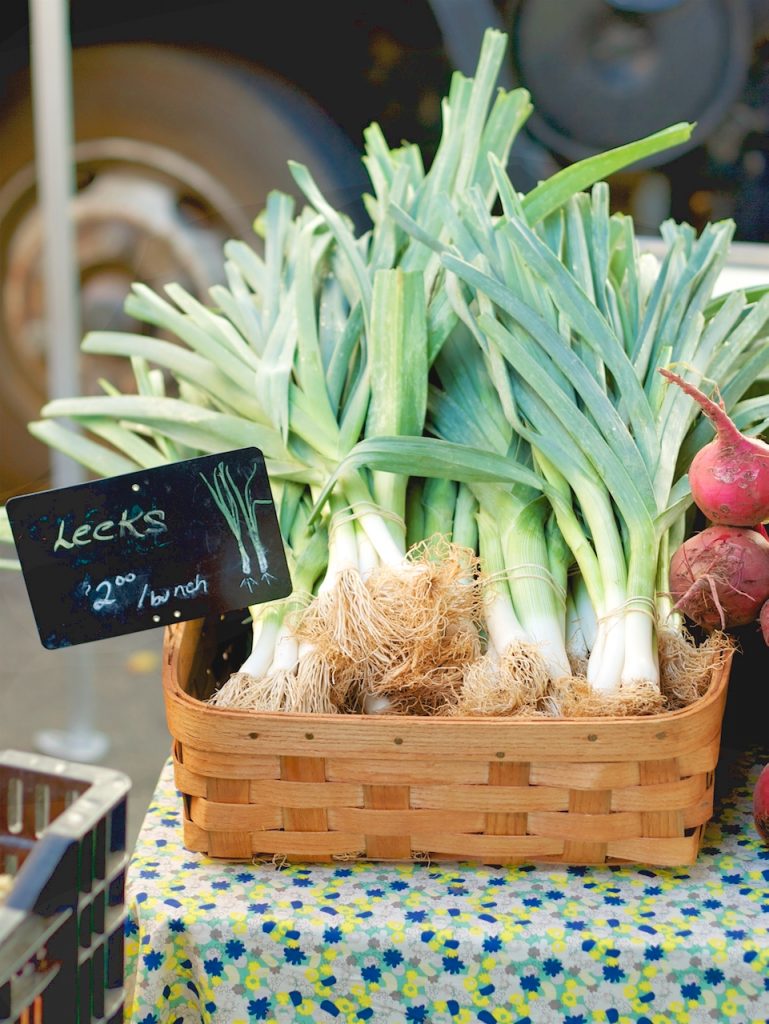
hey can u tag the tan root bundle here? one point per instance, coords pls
(685, 667)
(686, 672)
(283, 691)
(401, 646)
(515, 683)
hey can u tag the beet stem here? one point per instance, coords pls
(725, 428)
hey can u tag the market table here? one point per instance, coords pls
(232, 943)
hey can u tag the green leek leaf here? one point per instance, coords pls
(550, 194)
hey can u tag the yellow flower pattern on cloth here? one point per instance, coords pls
(211, 942)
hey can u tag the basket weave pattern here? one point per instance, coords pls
(326, 787)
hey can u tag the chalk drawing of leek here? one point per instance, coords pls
(239, 509)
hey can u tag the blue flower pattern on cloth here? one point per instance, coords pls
(210, 942)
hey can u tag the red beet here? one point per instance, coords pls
(761, 804)
(720, 576)
(763, 621)
(729, 476)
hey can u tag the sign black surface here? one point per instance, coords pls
(150, 548)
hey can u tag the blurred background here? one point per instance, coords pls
(184, 115)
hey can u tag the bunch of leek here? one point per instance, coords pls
(324, 338)
(490, 378)
(572, 336)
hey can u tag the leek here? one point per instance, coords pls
(584, 370)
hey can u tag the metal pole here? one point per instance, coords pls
(52, 105)
(53, 123)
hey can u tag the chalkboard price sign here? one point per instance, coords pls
(150, 548)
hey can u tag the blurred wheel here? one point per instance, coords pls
(175, 152)
(604, 72)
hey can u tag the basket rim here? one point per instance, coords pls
(172, 691)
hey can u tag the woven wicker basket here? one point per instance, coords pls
(326, 787)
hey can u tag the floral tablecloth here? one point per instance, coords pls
(412, 944)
